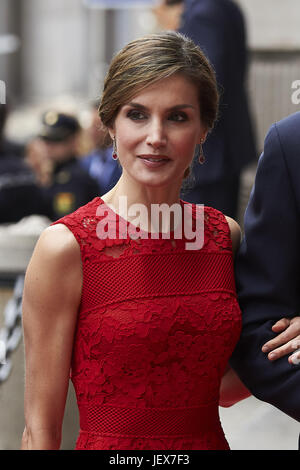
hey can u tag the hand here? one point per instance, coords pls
(287, 341)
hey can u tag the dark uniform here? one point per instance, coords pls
(20, 195)
(71, 186)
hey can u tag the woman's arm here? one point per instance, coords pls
(235, 234)
(232, 390)
(52, 293)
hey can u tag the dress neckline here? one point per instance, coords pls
(135, 227)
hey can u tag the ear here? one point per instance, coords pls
(111, 131)
(202, 136)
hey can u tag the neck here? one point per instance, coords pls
(146, 196)
(142, 194)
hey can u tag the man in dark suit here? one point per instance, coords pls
(268, 272)
(217, 26)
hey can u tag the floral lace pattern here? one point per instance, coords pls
(156, 327)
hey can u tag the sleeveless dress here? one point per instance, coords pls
(156, 326)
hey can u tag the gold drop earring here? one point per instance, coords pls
(114, 155)
(201, 157)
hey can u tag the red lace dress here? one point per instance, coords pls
(156, 326)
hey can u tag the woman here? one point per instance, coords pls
(145, 322)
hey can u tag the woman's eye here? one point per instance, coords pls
(136, 115)
(178, 117)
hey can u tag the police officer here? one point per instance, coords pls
(20, 195)
(70, 186)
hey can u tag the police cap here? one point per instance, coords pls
(58, 126)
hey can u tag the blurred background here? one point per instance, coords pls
(54, 55)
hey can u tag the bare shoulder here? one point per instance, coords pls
(58, 244)
(235, 233)
(56, 259)
(55, 266)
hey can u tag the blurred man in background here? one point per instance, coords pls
(20, 195)
(99, 162)
(217, 26)
(70, 186)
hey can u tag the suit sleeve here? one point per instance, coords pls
(268, 280)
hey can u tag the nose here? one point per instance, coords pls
(156, 134)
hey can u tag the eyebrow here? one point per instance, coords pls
(173, 108)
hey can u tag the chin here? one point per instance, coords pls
(152, 179)
(156, 182)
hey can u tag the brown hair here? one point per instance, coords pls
(146, 60)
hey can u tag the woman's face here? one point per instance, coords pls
(157, 131)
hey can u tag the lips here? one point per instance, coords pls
(154, 158)
(154, 161)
